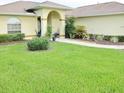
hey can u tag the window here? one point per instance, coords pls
(14, 26)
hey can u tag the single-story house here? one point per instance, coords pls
(101, 19)
(32, 17)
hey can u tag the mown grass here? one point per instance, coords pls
(65, 68)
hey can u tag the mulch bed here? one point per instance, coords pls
(97, 42)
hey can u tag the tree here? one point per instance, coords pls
(70, 28)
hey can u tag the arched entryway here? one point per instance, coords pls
(54, 20)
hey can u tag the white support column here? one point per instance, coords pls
(43, 26)
(62, 28)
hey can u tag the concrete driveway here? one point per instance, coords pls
(89, 44)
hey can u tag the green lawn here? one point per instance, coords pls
(65, 68)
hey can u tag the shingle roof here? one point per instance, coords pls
(49, 4)
(20, 7)
(97, 10)
(17, 7)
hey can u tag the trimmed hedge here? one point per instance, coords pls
(100, 37)
(11, 37)
(107, 38)
(114, 39)
(121, 38)
(38, 44)
(92, 36)
(117, 38)
(17, 37)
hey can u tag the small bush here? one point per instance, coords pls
(4, 38)
(80, 31)
(38, 44)
(17, 37)
(11, 37)
(80, 28)
(107, 38)
(92, 36)
(49, 32)
(114, 39)
(121, 38)
(99, 37)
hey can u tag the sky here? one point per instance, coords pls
(70, 3)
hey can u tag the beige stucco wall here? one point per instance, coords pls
(44, 14)
(28, 24)
(105, 25)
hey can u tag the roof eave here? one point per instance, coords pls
(109, 14)
(17, 14)
(41, 7)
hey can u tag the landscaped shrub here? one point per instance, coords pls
(80, 31)
(17, 37)
(49, 32)
(107, 38)
(11, 37)
(121, 38)
(4, 38)
(38, 44)
(114, 39)
(80, 28)
(70, 28)
(92, 37)
(99, 37)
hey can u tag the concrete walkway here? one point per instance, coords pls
(89, 44)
